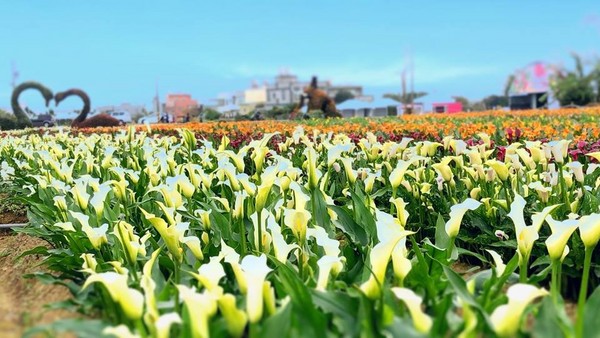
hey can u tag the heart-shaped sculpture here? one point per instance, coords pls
(81, 121)
(22, 120)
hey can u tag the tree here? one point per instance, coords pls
(468, 105)
(343, 95)
(405, 98)
(211, 114)
(493, 101)
(575, 86)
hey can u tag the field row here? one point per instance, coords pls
(293, 234)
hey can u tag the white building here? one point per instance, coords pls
(287, 89)
(132, 109)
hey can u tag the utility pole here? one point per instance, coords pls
(157, 101)
(15, 75)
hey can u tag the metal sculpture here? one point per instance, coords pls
(317, 100)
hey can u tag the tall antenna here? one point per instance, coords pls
(156, 100)
(14, 74)
(412, 77)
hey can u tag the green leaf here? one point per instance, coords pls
(548, 322)
(403, 328)
(304, 308)
(343, 308)
(363, 215)
(366, 318)
(79, 327)
(460, 287)
(346, 223)
(222, 224)
(591, 321)
(279, 324)
(320, 211)
(442, 240)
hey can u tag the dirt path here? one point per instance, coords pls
(22, 300)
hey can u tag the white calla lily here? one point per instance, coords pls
(413, 302)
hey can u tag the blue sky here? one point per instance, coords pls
(117, 50)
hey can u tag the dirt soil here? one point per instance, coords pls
(22, 300)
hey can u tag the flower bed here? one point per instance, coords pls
(293, 234)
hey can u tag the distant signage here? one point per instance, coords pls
(534, 78)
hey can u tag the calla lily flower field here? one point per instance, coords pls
(325, 230)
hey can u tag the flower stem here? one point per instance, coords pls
(523, 269)
(175, 283)
(139, 325)
(259, 245)
(555, 283)
(450, 248)
(242, 230)
(563, 186)
(583, 291)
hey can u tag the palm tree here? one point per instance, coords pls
(405, 98)
(576, 87)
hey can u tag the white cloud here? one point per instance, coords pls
(425, 72)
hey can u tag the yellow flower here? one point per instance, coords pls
(297, 221)
(500, 168)
(526, 235)
(130, 300)
(561, 232)
(401, 212)
(326, 264)
(336, 151)
(255, 271)
(210, 274)
(236, 319)
(500, 266)
(560, 150)
(397, 175)
(97, 201)
(80, 196)
(170, 234)
(589, 230)
(201, 307)
(97, 236)
(313, 173)
(392, 236)
(280, 246)
(595, 155)
(456, 215)
(421, 320)
(264, 189)
(506, 318)
(443, 169)
(163, 325)
(350, 173)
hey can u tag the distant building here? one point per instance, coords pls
(179, 105)
(253, 98)
(528, 101)
(447, 107)
(287, 90)
(133, 109)
(241, 102)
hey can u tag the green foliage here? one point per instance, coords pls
(405, 98)
(7, 121)
(576, 86)
(181, 210)
(210, 114)
(342, 95)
